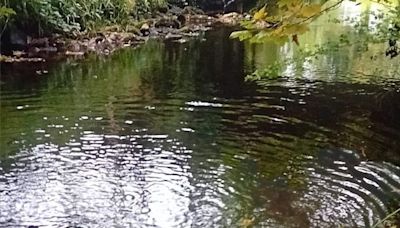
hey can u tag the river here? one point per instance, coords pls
(172, 135)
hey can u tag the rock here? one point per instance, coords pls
(168, 22)
(18, 53)
(181, 41)
(114, 37)
(230, 18)
(175, 10)
(38, 42)
(42, 49)
(74, 53)
(41, 72)
(192, 11)
(133, 29)
(181, 19)
(128, 37)
(73, 46)
(91, 45)
(191, 34)
(200, 19)
(48, 49)
(145, 29)
(8, 59)
(171, 36)
(34, 50)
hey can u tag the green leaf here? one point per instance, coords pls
(6, 12)
(242, 35)
(261, 37)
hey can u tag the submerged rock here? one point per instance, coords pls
(74, 53)
(8, 59)
(171, 36)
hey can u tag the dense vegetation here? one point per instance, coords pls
(42, 16)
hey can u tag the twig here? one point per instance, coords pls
(4, 27)
(388, 216)
(322, 11)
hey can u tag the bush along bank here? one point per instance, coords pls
(30, 28)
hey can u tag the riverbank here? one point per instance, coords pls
(175, 24)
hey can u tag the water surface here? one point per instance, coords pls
(171, 135)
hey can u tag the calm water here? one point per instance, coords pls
(170, 135)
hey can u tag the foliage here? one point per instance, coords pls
(273, 70)
(371, 27)
(5, 15)
(289, 20)
(292, 17)
(270, 72)
(6, 12)
(76, 15)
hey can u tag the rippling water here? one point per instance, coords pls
(170, 135)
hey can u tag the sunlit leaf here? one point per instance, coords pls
(282, 3)
(6, 12)
(241, 35)
(261, 14)
(310, 10)
(295, 8)
(261, 37)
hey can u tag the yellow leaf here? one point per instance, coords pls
(278, 31)
(295, 29)
(294, 8)
(260, 15)
(282, 3)
(310, 10)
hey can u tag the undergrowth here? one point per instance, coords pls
(69, 16)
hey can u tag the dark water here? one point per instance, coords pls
(170, 135)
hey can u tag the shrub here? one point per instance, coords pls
(46, 16)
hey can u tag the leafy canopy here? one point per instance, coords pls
(290, 19)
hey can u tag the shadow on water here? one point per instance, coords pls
(170, 135)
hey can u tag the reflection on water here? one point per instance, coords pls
(170, 135)
(360, 63)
